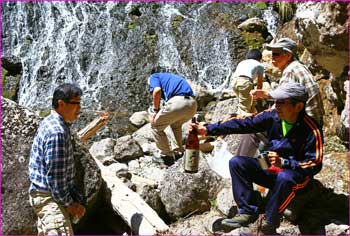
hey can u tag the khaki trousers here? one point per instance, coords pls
(242, 87)
(176, 112)
(53, 219)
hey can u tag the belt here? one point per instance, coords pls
(247, 77)
(188, 97)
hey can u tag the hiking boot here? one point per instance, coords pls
(167, 160)
(267, 229)
(240, 220)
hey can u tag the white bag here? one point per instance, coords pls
(220, 161)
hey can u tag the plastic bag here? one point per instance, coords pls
(220, 161)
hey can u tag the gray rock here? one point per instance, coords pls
(126, 148)
(343, 128)
(254, 25)
(188, 193)
(139, 118)
(104, 147)
(225, 202)
(221, 110)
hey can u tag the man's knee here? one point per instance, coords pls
(284, 177)
(236, 161)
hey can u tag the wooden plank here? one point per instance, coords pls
(141, 218)
(93, 126)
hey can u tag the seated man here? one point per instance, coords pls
(295, 154)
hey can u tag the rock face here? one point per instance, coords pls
(109, 49)
(323, 28)
(18, 129)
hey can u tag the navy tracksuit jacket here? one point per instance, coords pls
(302, 147)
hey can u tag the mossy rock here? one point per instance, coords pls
(176, 21)
(10, 85)
(253, 39)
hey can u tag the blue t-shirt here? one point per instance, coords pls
(171, 85)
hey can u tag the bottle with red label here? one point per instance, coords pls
(191, 159)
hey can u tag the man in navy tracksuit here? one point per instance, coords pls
(295, 154)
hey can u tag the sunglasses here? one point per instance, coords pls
(276, 54)
(282, 102)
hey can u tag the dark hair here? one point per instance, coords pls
(65, 92)
(254, 54)
(158, 69)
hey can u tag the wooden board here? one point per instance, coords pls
(141, 218)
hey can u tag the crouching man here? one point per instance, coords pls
(295, 154)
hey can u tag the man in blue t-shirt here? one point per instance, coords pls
(180, 107)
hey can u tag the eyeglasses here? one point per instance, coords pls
(75, 103)
(282, 102)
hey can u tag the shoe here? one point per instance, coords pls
(178, 155)
(267, 229)
(164, 160)
(168, 160)
(240, 220)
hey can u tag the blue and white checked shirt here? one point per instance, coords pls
(51, 163)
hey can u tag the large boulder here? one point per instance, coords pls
(343, 128)
(18, 128)
(188, 193)
(323, 29)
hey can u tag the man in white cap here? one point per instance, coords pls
(295, 152)
(284, 57)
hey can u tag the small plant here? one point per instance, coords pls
(132, 25)
(212, 203)
(44, 113)
(176, 21)
(261, 5)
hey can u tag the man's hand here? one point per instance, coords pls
(153, 117)
(76, 210)
(274, 159)
(259, 94)
(201, 129)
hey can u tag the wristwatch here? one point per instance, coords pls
(285, 163)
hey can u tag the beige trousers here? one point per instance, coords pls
(53, 219)
(175, 113)
(242, 87)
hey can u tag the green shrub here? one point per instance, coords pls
(261, 5)
(253, 40)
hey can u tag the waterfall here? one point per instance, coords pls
(271, 19)
(109, 48)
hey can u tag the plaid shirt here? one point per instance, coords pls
(51, 163)
(298, 73)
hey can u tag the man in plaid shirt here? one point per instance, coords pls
(52, 191)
